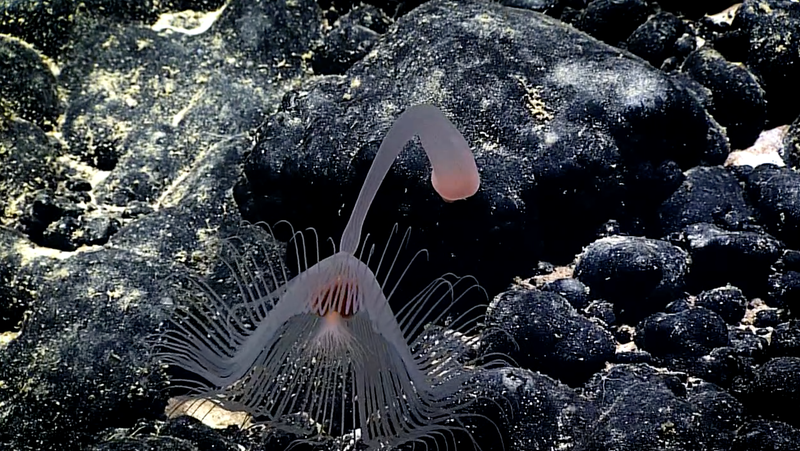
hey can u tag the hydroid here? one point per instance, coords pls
(325, 344)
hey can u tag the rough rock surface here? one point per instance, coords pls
(135, 136)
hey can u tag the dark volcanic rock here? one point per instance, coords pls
(43, 24)
(186, 433)
(776, 385)
(268, 31)
(28, 162)
(784, 289)
(16, 293)
(747, 343)
(352, 38)
(638, 275)
(172, 111)
(697, 341)
(785, 340)
(721, 257)
(83, 351)
(738, 99)
(542, 331)
(690, 333)
(771, 28)
(602, 310)
(576, 293)
(655, 39)
(767, 318)
(83, 346)
(172, 136)
(720, 415)
(791, 144)
(729, 302)
(147, 133)
(27, 85)
(633, 357)
(722, 366)
(554, 169)
(777, 201)
(612, 21)
(708, 194)
(642, 408)
(547, 413)
(760, 435)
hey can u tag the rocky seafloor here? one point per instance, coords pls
(636, 230)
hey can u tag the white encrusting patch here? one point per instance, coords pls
(188, 22)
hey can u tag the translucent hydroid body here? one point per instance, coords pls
(325, 344)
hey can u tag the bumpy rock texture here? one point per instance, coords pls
(136, 135)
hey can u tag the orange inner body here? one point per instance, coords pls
(339, 296)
